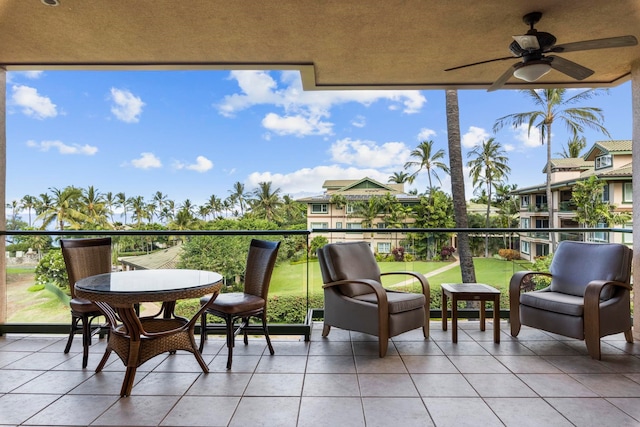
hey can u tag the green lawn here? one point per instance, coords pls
(291, 279)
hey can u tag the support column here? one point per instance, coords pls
(635, 139)
(3, 191)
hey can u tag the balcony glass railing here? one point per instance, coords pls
(296, 294)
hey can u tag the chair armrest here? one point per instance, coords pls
(381, 296)
(592, 295)
(418, 276)
(515, 287)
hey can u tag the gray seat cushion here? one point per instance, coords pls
(554, 301)
(399, 302)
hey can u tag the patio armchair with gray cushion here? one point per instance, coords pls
(354, 298)
(588, 297)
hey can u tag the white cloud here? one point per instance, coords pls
(127, 107)
(426, 134)
(146, 161)
(474, 136)
(260, 88)
(359, 121)
(509, 147)
(368, 153)
(34, 74)
(32, 103)
(202, 164)
(63, 148)
(308, 181)
(528, 139)
(297, 125)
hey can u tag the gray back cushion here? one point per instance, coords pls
(575, 264)
(351, 260)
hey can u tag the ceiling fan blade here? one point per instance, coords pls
(527, 42)
(607, 43)
(503, 78)
(569, 68)
(481, 62)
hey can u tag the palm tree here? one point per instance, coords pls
(266, 201)
(63, 208)
(123, 202)
(28, 203)
(93, 206)
(368, 211)
(465, 255)
(574, 146)
(139, 208)
(488, 167)
(555, 105)
(160, 200)
(239, 196)
(110, 202)
(399, 178)
(428, 161)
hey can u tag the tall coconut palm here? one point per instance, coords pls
(214, 204)
(123, 202)
(239, 196)
(555, 105)
(93, 206)
(399, 178)
(266, 201)
(63, 209)
(139, 209)
(427, 160)
(574, 146)
(28, 203)
(110, 202)
(488, 166)
(454, 140)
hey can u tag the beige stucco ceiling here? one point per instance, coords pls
(337, 44)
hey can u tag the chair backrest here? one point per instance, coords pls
(85, 257)
(260, 263)
(575, 264)
(348, 260)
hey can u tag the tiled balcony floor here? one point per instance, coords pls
(537, 380)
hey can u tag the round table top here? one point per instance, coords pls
(148, 285)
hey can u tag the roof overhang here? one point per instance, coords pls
(340, 44)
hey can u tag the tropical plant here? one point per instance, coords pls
(555, 105)
(488, 166)
(428, 160)
(399, 178)
(266, 201)
(574, 146)
(64, 209)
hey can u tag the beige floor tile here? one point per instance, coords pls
(165, 383)
(331, 411)
(331, 365)
(266, 411)
(556, 385)
(429, 365)
(538, 412)
(461, 412)
(591, 412)
(209, 411)
(282, 364)
(443, 385)
(182, 362)
(276, 384)
(578, 364)
(614, 385)
(380, 365)
(54, 382)
(499, 385)
(397, 385)
(240, 363)
(220, 384)
(391, 411)
(418, 348)
(528, 365)
(73, 410)
(330, 348)
(17, 408)
(478, 364)
(331, 385)
(629, 405)
(10, 379)
(138, 411)
(462, 348)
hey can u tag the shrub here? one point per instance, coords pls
(51, 268)
(398, 253)
(446, 252)
(509, 254)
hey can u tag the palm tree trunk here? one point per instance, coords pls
(549, 195)
(457, 186)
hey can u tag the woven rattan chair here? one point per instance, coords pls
(245, 305)
(354, 298)
(84, 258)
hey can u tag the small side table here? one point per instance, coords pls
(470, 292)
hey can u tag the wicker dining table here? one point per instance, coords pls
(136, 339)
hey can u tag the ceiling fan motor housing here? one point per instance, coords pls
(545, 40)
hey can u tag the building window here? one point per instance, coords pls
(603, 161)
(384, 248)
(339, 224)
(524, 247)
(627, 192)
(318, 208)
(542, 223)
(349, 208)
(524, 201)
(317, 225)
(381, 225)
(542, 249)
(605, 193)
(524, 223)
(354, 225)
(601, 236)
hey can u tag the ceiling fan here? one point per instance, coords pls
(533, 47)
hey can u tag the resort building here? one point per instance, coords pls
(609, 161)
(337, 208)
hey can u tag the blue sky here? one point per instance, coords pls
(193, 134)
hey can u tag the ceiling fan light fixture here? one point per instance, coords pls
(532, 72)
